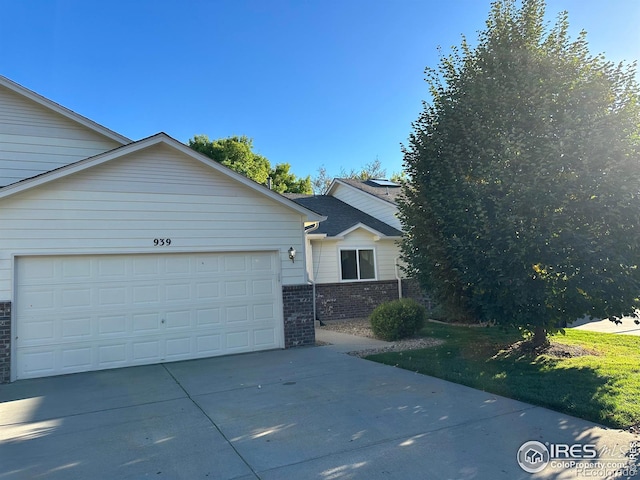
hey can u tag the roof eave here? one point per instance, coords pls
(133, 147)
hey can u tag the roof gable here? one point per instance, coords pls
(65, 112)
(149, 142)
(380, 190)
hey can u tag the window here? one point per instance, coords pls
(358, 264)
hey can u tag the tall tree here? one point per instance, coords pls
(522, 204)
(237, 153)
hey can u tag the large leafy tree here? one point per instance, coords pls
(237, 153)
(522, 203)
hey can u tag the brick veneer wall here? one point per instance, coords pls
(338, 301)
(5, 342)
(299, 325)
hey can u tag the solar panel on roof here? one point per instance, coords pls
(384, 183)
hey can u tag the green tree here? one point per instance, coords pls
(282, 181)
(237, 153)
(522, 202)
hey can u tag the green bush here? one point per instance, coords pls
(397, 319)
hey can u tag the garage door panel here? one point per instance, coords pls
(38, 362)
(263, 312)
(77, 358)
(177, 265)
(235, 263)
(264, 336)
(146, 350)
(39, 299)
(237, 340)
(77, 269)
(112, 355)
(145, 294)
(141, 309)
(175, 292)
(237, 314)
(112, 268)
(146, 322)
(178, 348)
(75, 328)
(179, 320)
(207, 317)
(145, 266)
(112, 325)
(207, 290)
(75, 297)
(112, 296)
(36, 332)
(262, 287)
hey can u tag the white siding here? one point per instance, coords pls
(369, 204)
(34, 139)
(326, 256)
(121, 206)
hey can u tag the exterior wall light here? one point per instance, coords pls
(292, 254)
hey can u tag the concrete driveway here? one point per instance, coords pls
(309, 413)
(627, 327)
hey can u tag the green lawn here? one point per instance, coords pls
(603, 388)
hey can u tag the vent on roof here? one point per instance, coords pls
(381, 182)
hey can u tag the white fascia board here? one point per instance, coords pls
(99, 159)
(333, 184)
(64, 111)
(372, 231)
(317, 236)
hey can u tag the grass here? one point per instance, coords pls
(603, 387)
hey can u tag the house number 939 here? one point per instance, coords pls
(161, 242)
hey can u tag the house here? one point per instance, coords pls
(116, 252)
(354, 256)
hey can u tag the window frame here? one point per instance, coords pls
(358, 269)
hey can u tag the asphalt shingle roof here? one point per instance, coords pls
(340, 216)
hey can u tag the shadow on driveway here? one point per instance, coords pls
(303, 413)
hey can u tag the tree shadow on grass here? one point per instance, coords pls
(507, 368)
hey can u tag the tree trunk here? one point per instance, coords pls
(539, 337)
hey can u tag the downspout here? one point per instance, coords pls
(398, 278)
(312, 281)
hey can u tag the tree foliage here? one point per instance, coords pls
(237, 153)
(373, 169)
(522, 203)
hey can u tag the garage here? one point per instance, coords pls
(78, 313)
(117, 252)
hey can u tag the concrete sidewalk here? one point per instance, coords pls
(627, 327)
(307, 413)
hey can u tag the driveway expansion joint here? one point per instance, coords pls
(226, 439)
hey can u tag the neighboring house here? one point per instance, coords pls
(116, 253)
(354, 256)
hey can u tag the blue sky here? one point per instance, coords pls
(313, 82)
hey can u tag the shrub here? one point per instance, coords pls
(397, 319)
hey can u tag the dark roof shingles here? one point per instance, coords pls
(340, 215)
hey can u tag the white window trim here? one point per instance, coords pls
(357, 249)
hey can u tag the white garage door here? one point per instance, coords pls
(81, 313)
